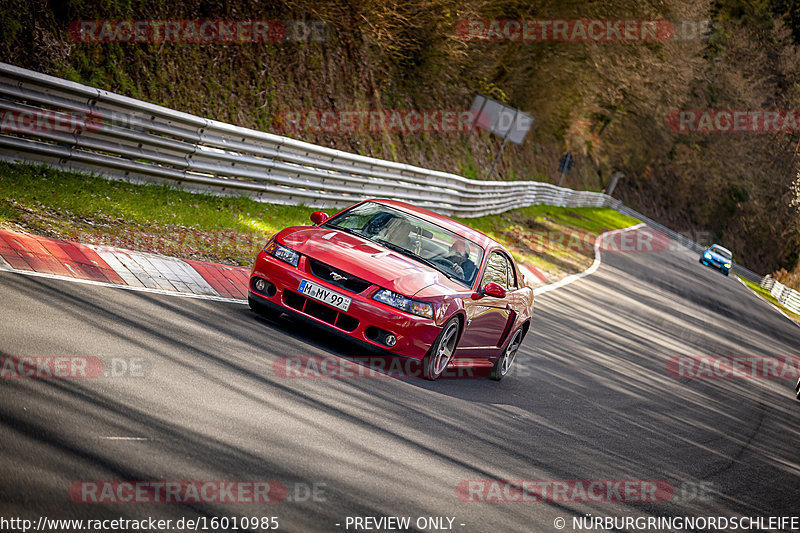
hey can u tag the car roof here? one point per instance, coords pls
(718, 247)
(440, 220)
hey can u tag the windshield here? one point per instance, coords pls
(453, 255)
(721, 251)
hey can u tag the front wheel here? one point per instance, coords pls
(503, 364)
(441, 353)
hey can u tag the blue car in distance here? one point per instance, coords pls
(715, 256)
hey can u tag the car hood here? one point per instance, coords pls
(369, 261)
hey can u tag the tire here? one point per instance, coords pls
(797, 389)
(503, 364)
(442, 350)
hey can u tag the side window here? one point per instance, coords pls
(496, 270)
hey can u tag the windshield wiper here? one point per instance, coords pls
(409, 253)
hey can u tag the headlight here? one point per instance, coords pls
(727, 265)
(398, 301)
(283, 253)
(707, 255)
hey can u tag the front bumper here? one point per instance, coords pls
(366, 320)
(713, 264)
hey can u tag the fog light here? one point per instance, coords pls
(390, 340)
(259, 285)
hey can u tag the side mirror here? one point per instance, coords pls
(494, 290)
(318, 217)
(490, 289)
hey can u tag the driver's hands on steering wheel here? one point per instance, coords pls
(456, 268)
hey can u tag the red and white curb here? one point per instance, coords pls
(114, 267)
(103, 265)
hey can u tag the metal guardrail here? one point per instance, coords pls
(790, 298)
(131, 139)
(124, 138)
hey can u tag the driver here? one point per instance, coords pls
(459, 256)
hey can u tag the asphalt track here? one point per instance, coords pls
(590, 399)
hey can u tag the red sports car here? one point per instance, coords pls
(401, 279)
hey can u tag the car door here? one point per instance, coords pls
(488, 317)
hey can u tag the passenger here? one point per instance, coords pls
(399, 233)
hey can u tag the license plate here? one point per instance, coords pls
(312, 290)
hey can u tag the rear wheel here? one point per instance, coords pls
(503, 364)
(441, 353)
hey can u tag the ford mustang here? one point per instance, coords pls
(401, 279)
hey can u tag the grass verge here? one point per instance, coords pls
(756, 288)
(155, 218)
(556, 240)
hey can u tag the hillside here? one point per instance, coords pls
(612, 103)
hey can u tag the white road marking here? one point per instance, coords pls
(591, 270)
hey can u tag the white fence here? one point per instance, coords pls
(89, 129)
(790, 298)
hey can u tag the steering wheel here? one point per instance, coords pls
(450, 265)
(457, 270)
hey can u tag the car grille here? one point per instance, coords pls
(317, 310)
(350, 283)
